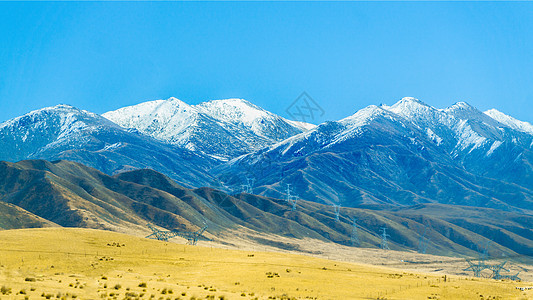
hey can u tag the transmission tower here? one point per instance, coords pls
(247, 187)
(288, 199)
(478, 267)
(161, 235)
(484, 252)
(292, 199)
(384, 238)
(355, 234)
(337, 209)
(423, 241)
(191, 236)
(496, 269)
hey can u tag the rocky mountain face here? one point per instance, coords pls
(38, 193)
(404, 154)
(65, 132)
(489, 144)
(382, 156)
(222, 129)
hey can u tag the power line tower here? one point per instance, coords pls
(292, 199)
(193, 236)
(384, 238)
(161, 235)
(288, 192)
(478, 267)
(355, 234)
(337, 209)
(423, 241)
(485, 250)
(496, 269)
(164, 235)
(247, 187)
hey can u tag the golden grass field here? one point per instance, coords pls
(60, 263)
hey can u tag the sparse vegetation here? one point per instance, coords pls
(153, 281)
(5, 290)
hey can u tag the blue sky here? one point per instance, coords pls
(102, 56)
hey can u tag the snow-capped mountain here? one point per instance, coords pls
(65, 132)
(510, 121)
(220, 128)
(486, 145)
(402, 154)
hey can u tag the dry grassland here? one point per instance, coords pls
(59, 263)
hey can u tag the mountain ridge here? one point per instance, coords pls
(454, 151)
(237, 125)
(73, 195)
(403, 154)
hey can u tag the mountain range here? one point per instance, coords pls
(221, 128)
(65, 132)
(404, 154)
(382, 156)
(464, 174)
(38, 193)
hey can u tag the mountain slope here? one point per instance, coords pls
(220, 128)
(405, 154)
(401, 155)
(72, 195)
(488, 144)
(14, 217)
(65, 132)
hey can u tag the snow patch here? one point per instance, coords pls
(112, 146)
(468, 137)
(510, 121)
(433, 136)
(494, 146)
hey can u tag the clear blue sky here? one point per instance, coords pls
(102, 56)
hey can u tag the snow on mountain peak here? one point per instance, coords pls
(165, 120)
(409, 107)
(461, 105)
(411, 99)
(363, 116)
(510, 121)
(64, 111)
(50, 127)
(234, 110)
(230, 125)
